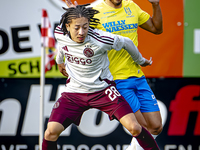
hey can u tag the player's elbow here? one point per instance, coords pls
(158, 31)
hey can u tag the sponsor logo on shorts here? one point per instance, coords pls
(153, 96)
(56, 105)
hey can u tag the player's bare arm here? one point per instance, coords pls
(154, 1)
(61, 68)
(154, 24)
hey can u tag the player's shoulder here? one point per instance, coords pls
(60, 36)
(101, 37)
(129, 3)
(94, 32)
(99, 5)
(58, 31)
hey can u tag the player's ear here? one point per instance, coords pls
(67, 26)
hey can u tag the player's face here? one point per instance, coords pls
(116, 2)
(78, 29)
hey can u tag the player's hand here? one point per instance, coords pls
(70, 4)
(61, 68)
(147, 62)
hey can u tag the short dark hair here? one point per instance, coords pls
(77, 12)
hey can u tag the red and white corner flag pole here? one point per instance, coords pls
(42, 81)
(47, 61)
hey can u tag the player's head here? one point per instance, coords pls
(76, 20)
(116, 3)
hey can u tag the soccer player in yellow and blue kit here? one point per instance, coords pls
(123, 17)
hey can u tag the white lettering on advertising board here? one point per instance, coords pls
(11, 111)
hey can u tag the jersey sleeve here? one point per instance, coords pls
(130, 47)
(60, 56)
(111, 41)
(58, 35)
(117, 42)
(142, 15)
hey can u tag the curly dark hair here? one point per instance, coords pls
(77, 12)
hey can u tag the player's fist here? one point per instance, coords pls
(61, 68)
(147, 62)
(70, 4)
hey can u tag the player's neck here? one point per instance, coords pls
(108, 2)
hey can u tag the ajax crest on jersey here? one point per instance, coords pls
(88, 52)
